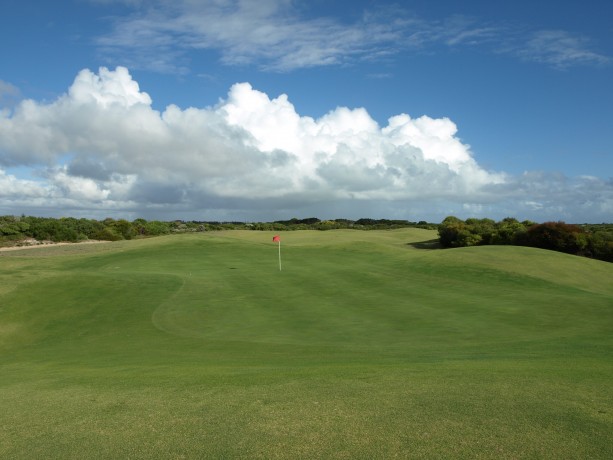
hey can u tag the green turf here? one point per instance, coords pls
(365, 346)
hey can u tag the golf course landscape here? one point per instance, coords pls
(366, 345)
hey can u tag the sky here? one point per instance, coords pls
(272, 109)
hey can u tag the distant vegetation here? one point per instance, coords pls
(595, 240)
(15, 228)
(589, 240)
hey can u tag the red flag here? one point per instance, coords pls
(276, 239)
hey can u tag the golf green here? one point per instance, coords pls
(365, 345)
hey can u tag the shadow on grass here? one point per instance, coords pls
(429, 244)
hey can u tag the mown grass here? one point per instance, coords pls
(196, 346)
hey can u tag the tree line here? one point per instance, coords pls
(589, 240)
(70, 229)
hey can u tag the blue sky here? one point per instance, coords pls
(244, 110)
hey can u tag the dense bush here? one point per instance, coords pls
(592, 241)
(600, 243)
(557, 236)
(12, 227)
(70, 229)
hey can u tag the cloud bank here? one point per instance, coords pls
(101, 149)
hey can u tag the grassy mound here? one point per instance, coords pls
(364, 346)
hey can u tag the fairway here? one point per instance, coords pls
(366, 345)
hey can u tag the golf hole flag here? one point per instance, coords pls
(277, 239)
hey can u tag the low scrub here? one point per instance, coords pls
(594, 241)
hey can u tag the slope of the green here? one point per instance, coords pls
(363, 346)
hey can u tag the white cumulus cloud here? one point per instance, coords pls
(102, 147)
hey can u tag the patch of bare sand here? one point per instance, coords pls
(31, 243)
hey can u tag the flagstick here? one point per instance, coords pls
(279, 255)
